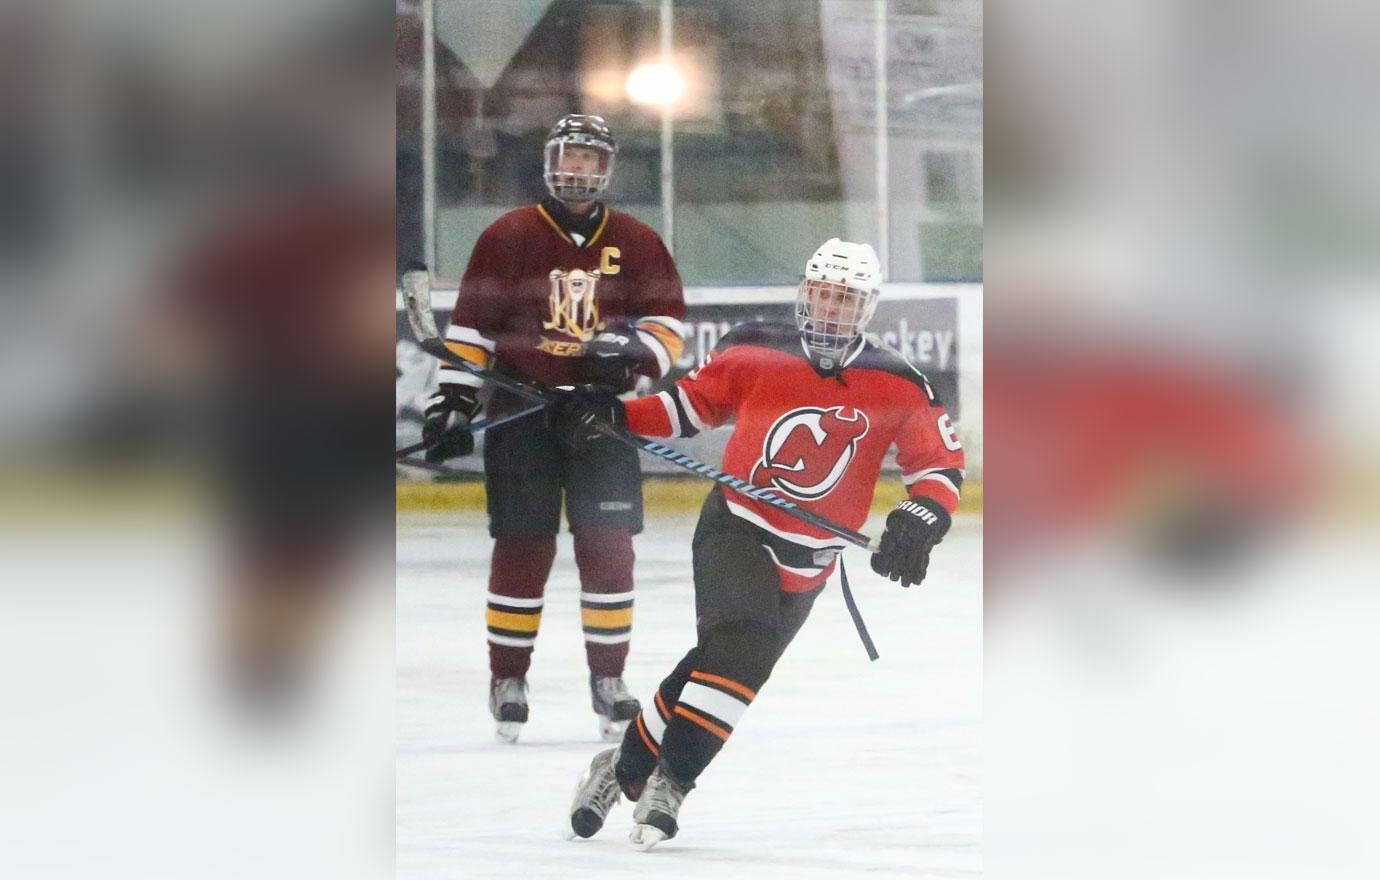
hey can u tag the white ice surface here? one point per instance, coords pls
(841, 768)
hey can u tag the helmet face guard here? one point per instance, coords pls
(578, 161)
(832, 315)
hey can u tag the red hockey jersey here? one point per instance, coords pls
(817, 440)
(532, 297)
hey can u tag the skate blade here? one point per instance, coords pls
(644, 837)
(611, 731)
(507, 731)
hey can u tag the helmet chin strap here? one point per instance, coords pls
(830, 364)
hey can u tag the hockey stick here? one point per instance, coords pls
(854, 613)
(417, 302)
(428, 466)
(481, 425)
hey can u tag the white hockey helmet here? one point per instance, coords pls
(837, 297)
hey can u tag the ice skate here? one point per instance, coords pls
(595, 794)
(614, 704)
(657, 809)
(508, 705)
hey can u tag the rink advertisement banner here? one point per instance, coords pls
(924, 330)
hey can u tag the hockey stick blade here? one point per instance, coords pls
(416, 292)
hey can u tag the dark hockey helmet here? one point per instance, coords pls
(579, 158)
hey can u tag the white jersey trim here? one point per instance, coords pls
(469, 336)
(670, 406)
(940, 478)
(804, 540)
(663, 357)
(690, 410)
(911, 478)
(803, 572)
(455, 376)
(666, 321)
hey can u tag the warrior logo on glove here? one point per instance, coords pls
(807, 451)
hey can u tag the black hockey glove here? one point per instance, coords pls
(912, 530)
(574, 412)
(614, 357)
(446, 431)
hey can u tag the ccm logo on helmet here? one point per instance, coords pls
(807, 450)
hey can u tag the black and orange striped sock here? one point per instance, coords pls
(702, 720)
(642, 741)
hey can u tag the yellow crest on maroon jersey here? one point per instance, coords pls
(574, 310)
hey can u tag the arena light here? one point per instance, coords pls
(656, 84)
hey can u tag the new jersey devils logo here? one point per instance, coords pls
(806, 451)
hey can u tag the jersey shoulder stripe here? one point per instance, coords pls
(763, 334)
(877, 355)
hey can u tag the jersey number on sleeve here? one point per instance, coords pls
(948, 434)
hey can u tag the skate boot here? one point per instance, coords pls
(508, 704)
(595, 794)
(657, 809)
(614, 705)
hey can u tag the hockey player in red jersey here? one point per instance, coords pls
(564, 291)
(816, 407)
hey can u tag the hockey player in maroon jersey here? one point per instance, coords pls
(565, 291)
(816, 407)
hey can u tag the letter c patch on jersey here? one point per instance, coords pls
(806, 452)
(607, 266)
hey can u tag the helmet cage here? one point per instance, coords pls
(571, 186)
(831, 316)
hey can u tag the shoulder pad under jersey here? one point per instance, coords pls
(877, 355)
(763, 334)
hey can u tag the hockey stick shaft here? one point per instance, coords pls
(428, 466)
(481, 425)
(854, 613)
(417, 301)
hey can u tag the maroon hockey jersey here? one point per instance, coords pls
(817, 440)
(532, 296)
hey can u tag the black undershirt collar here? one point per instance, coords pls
(582, 225)
(835, 366)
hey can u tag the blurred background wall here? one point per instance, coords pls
(774, 109)
(749, 132)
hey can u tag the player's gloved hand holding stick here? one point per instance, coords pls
(447, 432)
(401, 455)
(576, 412)
(912, 529)
(613, 357)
